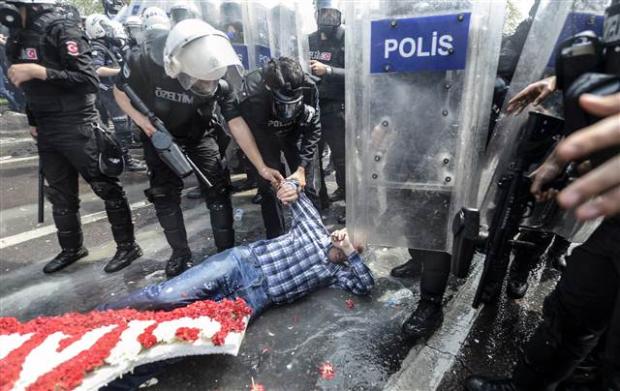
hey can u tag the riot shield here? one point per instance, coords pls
(419, 86)
(286, 35)
(538, 58)
(246, 24)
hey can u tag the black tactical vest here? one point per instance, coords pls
(329, 52)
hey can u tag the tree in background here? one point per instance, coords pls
(87, 7)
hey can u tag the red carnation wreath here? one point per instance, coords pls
(87, 351)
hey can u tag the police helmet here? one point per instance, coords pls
(183, 10)
(97, 26)
(112, 7)
(198, 55)
(328, 16)
(9, 13)
(154, 18)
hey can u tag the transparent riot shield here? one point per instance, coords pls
(259, 33)
(537, 58)
(419, 86)
(286, 35)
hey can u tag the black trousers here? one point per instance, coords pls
(66, 152)
(272, 147)
(333, 133)
(120, 121)
(575, 315)
(166, 187)
(435, 273)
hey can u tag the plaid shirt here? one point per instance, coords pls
(296, 263)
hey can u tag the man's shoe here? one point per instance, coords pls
(132, 164)
(423, 322)
(248, 184)
(126, 253)
(179, 262)
(64, 259)
(481, 383)
(408, 269)
(196, 193)
(516, 288)
(257, 199)
(338, 195)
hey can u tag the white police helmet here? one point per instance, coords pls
(97, 26)
(198, 56)
(154, 18)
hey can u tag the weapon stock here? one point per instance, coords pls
(169, 152)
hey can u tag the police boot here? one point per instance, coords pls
(222, 225)
(338, 195)
(517, 281)
(408, 269)
(70, 239)
(196, 193)
(127, 250)
(557, 252)
(423, 322)
(132, 164)
(171, 220)
(247, 184)
(482, 383)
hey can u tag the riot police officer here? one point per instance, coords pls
(111, 8)
(52, 63)
(107, 59)
(184, 96)
(280, 104)
(327, 63)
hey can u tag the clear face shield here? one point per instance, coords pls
(197, 86)
(287, 104)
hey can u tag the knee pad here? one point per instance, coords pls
(63, 203)
(108, 191)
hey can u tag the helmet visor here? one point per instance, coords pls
(287, 104)
(329, 17)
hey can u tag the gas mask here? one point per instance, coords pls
(328, 20)
(287, 104)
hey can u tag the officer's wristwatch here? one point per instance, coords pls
(329, 70)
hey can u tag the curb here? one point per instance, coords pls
(426, 364)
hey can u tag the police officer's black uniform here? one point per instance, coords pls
(190, 119)
(62, 108)
(297, 139)
(585, 303)
(330, 51)
(107, 55)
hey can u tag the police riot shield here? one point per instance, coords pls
(537, 60)
(419, 86)
(246, 24)
(286, 35)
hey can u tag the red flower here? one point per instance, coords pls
(189, 334)
(327, 371)
(230, 314)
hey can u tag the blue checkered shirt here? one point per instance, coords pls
(296, 263)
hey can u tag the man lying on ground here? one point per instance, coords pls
(275, 271)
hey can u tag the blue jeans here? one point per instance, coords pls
(227, 275)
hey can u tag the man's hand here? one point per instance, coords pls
(145, 124)
(318, 68)
(340, 239)
(2, 39)
(597, 193)
(547, 172)
(300, 176)
(272, 176)
(20, 73)
(34, 133)
(287, 193)
(534, 93)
